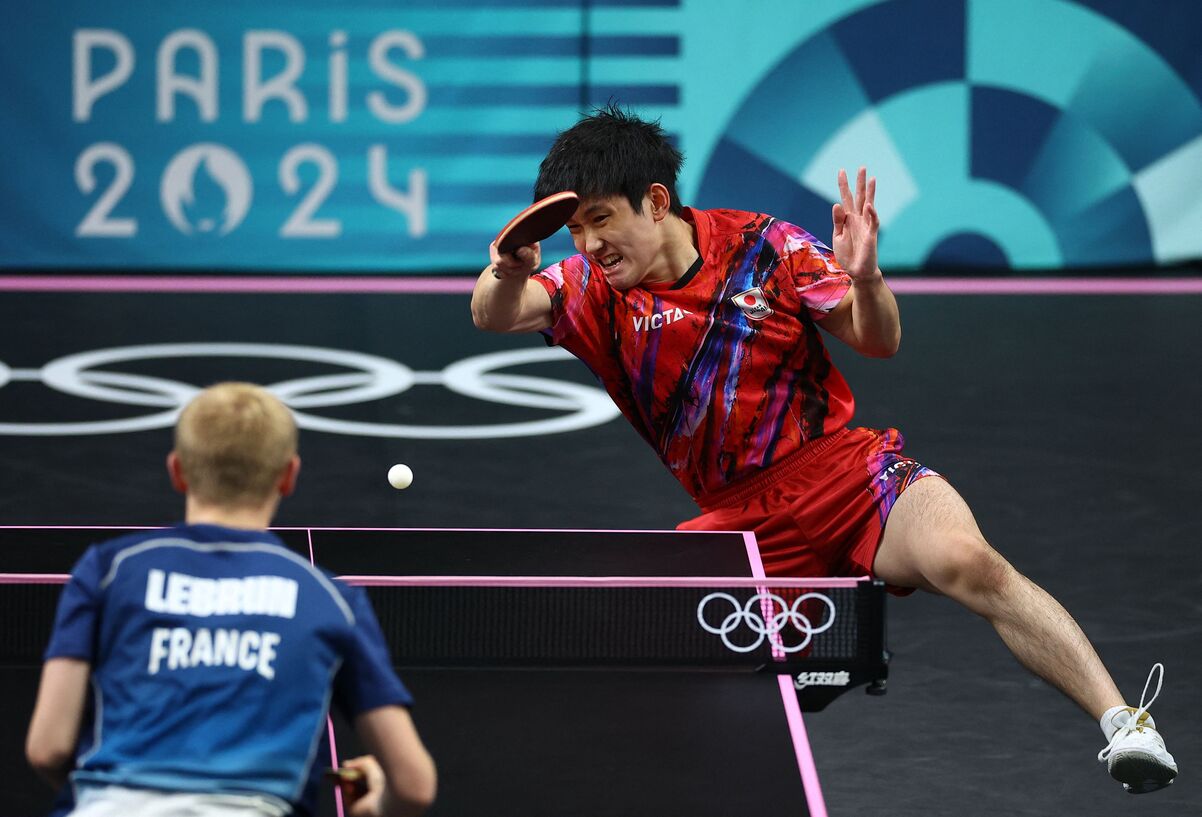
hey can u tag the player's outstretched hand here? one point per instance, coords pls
(522, 263)
(855, 227)
(364, 801)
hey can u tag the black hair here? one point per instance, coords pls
(611, 152)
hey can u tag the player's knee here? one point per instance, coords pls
(971, 568)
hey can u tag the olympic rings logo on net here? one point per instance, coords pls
(368, 377)
(757, 613)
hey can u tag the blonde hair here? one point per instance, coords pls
(233, 442)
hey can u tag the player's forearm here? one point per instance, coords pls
(876, 322)
(404, 773)
(497, 302)
(57, 714)
(412, 795)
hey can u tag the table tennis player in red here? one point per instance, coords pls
(703, 326)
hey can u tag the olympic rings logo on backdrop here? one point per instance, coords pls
(757, 613)
(370, 377)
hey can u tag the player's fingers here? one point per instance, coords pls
(838, 217)
(510, 263)
(369, 766)
(861, 175)
(505, 262)
(351, 794)
(871, 190)
(529, 257)
(874, 220)
(844, 190)
(363, 807)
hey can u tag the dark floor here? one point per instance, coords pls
(1067, 422)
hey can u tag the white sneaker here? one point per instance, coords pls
(1136, 755)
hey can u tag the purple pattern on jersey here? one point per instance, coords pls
(891, 473)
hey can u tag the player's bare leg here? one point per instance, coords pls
(932, 542)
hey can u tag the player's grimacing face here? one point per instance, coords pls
(617, 240)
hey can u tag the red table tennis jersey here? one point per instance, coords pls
(723, 372)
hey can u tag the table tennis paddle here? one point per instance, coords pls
(350, 780)
(538, 221)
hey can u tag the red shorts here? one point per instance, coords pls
(822, 510)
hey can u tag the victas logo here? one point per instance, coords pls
(660, 319)
(214, 201)
(895, 467)
(753, 303)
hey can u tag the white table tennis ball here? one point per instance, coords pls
(400, 476)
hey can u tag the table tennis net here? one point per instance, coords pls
(609, 624)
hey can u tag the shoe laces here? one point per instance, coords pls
(1133, 724)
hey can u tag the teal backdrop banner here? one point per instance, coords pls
(370, 136)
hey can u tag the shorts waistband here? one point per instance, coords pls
(743, 489)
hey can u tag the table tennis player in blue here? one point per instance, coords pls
(212, 652)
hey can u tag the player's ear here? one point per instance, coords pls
(176, 472)
(287, 483)
(661, 201)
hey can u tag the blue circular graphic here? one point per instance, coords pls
(1026, 134)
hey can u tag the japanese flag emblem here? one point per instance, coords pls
(753, 303)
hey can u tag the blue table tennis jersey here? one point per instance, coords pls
(215, 653)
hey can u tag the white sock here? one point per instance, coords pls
(1116, 717)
